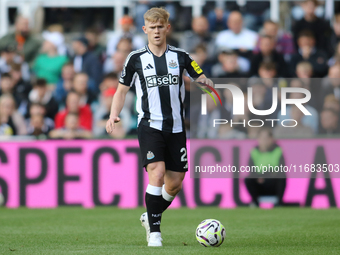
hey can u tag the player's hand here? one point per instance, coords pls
(206, 81)
(110, 124)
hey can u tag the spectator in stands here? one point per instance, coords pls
(10, 116)
(26, 45)
(304, 71)
(63, 49)
(73, 106)
(49, 63)
(218, 17)
(283, 41)
(110, 81)
(308, 52)
(335, 59)
(299, 130)
(39, 109)
(331, 102)
(6, 84)
(255, 13)
(127, 31)
(236, 37)
(228, 66)
(267, 152)
(268, 53)
(8, 57)
(21, 88)
(335, 35)
(260, 101)
(268, 77)
(71, 130)
(40, 94)
(5, 130)
(199, 35)
(65, 84)
(37, 127)
(318, 27)
(329, 122)
(116, 62)
(80, 85)
(331, 82)
(200, 55)
(87, 62)
(92, 35)
(307, 120)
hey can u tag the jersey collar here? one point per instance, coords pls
(147, 48)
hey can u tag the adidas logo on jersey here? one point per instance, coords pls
(165, 80)
(149, 66)
(150, 155)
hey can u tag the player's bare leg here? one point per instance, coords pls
(172, 185)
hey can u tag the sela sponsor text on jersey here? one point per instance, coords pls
(165, 80)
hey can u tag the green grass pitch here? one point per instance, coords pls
(115, 231)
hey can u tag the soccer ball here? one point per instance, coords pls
(210, 232)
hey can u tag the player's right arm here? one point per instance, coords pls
(116, 107)
(125, 81)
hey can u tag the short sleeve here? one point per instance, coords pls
(193, 69)
(127, 74)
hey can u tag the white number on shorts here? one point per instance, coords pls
(184, 156)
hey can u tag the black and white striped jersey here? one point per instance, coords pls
(159, 86)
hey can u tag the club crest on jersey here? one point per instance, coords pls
(159, 81)
(150, 155)
(172, 64)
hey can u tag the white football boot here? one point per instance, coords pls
(145, 223)
(155, 239)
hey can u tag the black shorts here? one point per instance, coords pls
(156, 145)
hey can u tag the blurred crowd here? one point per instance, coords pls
(59, 89)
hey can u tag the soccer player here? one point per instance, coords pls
(156, 70)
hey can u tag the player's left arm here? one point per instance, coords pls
(195, 71)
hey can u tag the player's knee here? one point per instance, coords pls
(156, 173)
(158, 176)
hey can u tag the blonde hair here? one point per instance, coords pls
(157, 14)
